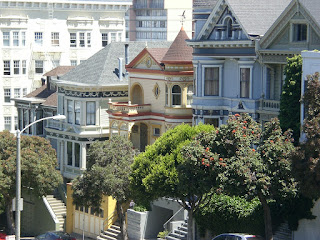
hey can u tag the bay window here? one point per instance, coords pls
(244, 82)
(176, 95)
(91, 113)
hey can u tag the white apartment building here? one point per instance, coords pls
(158, 20)
(39, 35)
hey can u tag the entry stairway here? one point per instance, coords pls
(59, 209)
(111, 233)
(179, 233)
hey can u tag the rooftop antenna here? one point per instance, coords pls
(183, 18)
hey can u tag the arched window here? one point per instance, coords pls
(229, 28)
(176, 95)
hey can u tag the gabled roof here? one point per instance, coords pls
(179, 51)
(257, 16)
(313, 7)
(254, 16)
(157, 53)
(101, 69)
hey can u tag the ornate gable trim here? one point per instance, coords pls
(285, 19)
(216, 17)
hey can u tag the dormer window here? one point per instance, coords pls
(299, 33)
(229, 28)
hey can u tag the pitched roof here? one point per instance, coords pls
(313, 7)
(257, 16)
(157, 53)
(59, 71)
(41, 92)
(179, 51)
(52, 100)
(204, 3)
(101, 69)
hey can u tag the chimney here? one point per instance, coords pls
(126, 53)
(120, 69)
(48, 82)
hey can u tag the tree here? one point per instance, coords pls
(306, 157)
(107, 173)
(38, 169)
(161, 171)
(290, 98)
(248, 162)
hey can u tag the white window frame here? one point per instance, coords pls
(38, 64)
(73, 39)
(190, 95)
(17, 92)
(7, 123)
(90, 114)
(104, 39)
(70, 111)
(220, 66)
(38, 38)
(16, 67)
(250, 81)
(73, 154)
(23, 38)
(24, 91)
(73, 62)
(15, 38)
(7, 95)
(6, 67)
(55, 39)
(77, 112)
(6, 39)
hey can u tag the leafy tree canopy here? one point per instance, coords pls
(247, 161)
(38, 168)
(306, 164)
(290, 99)
(107, 174)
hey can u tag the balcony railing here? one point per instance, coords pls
(269, 105)
(128, 108)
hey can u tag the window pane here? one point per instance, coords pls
(55, 39)
(211, 84)
(39, 66)
(69, 153)
(73, 39)
(91, 113)
(77, 112)
(16, 67)
(6, 38)
(189, 95)
(77, 154)
(24, 67)
(15, 36)
(176, 95)
(7, 95)
(299, 32)
(17, 92)
(81, 40)
(244, 82)
(6, 67)
(70, 111)
(7, 123)
(38, 38)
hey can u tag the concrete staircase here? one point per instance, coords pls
(283, 233)
(180, 233)
(59, 209)
(111, 233)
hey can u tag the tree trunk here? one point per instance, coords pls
(122, 221)
(9, 214)
(267, 217)
(190, 224)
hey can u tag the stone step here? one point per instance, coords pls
(172, 238)
(177, 235)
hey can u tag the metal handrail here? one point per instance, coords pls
(169, 220)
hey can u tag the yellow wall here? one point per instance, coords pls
(108, 206)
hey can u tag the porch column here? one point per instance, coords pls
(83, 156)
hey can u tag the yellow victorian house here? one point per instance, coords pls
(160, 93)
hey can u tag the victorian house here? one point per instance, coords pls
(160, 93)
(240, 50)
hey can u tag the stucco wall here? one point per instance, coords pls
(309, 229)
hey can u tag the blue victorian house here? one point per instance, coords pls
(239, 54)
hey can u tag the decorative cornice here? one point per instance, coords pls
(221, 44)
(71, 93)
